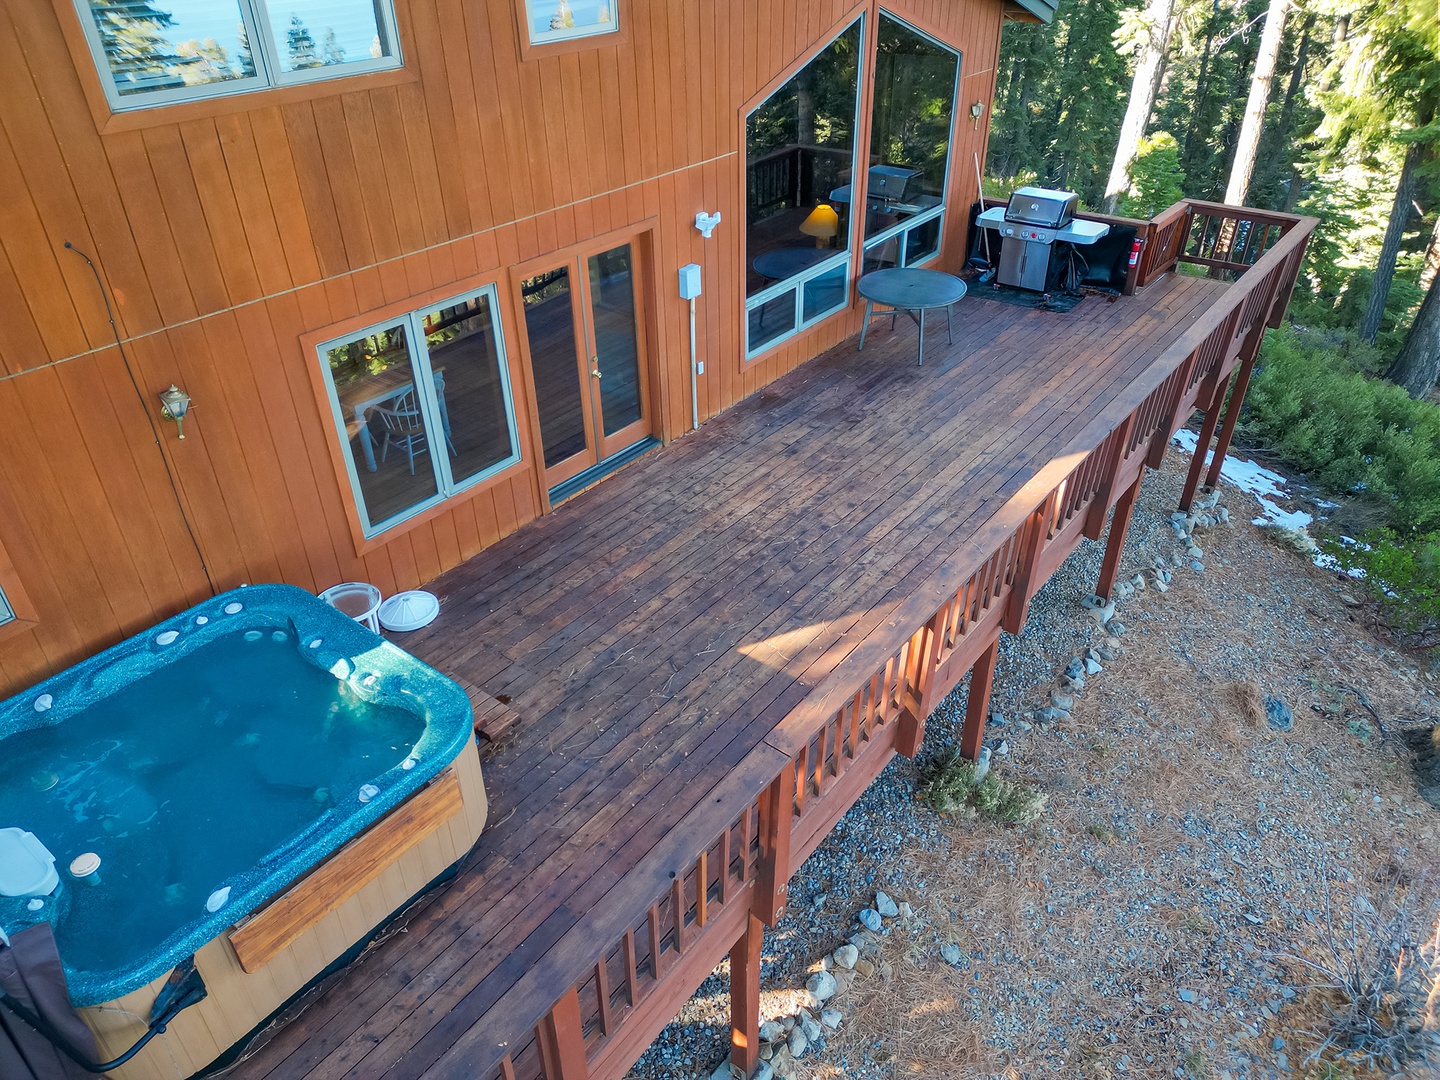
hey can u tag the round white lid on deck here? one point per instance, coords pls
(26, 866)
(409, 610)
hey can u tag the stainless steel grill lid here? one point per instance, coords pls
(1046, 207)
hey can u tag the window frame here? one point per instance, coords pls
(901, 230)
(423, 377)
(798, 281)
(596, 37)
(264, 51)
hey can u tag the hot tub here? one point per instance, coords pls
(264, 782)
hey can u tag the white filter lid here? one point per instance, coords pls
(26, 867)
(409, 610)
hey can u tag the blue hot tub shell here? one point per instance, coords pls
(373, 668)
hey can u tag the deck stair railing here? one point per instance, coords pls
(726, 863)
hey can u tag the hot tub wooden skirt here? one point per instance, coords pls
(271, 955)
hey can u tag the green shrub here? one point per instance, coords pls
(947, 782)
(1402, 573)
(1156, 179)
(1311, 404)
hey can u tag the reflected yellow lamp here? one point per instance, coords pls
(823, 224)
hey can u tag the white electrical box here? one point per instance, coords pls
(689, 281)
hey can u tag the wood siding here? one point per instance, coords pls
(227, 235)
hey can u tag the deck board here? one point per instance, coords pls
(655, 629)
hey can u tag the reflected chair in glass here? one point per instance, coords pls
(404, 427)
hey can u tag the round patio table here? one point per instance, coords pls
(913, 292)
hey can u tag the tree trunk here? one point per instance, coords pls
(1202, 89)
(1146, 85)
(1248, 144)
(1432, 256)
(1390, 246)
(1418, 365)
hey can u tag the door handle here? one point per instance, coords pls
(595, 366)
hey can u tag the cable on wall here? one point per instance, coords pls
(149, 419)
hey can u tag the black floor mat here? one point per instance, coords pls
(1057, 301)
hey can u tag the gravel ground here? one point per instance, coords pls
(1146, 925)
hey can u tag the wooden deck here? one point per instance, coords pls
(658, 635)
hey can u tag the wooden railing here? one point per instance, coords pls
(677, 913)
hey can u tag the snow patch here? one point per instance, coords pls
(1267, 486)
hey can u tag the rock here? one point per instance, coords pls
(886, 906)
(1092, 667)
(783, 1064)
(788, 1023)
(1102, 615)
(1003, 750)
(1050, 715)
(764, 1071)
(864, 967)
(886, 971)
(1075, 668)
(982, 765)
(997, 718)
(870, 919)
(1224, 515)
(1124, 590)
(1024, 726)
(1161, 587)
(809, 1027)
(950, 953)
(1177, 560)
(843, 981)
(1106, 653)
(1063, 702)
(1278, 714)
(1188, 996)
(1139, 582)
(767, 1051)
(1197, 566)
(772, 1031)
(1116, 628)
(906, 911)
(1282, 1062)
(798, 1043)
(831, 1019)
(1194, 552)
(821, 986)
(1277, 1043)
(845, 956)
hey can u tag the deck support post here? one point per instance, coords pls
(773, 871)
(1036, 532)
(1248, 354)
(1115, 546)
(977, 701)
(562, 1040)
(1197, 461)
(745, 999)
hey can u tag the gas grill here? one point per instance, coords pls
(1035, 219)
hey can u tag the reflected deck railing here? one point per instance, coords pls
(725, 864)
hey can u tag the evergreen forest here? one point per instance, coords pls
(1329, 108)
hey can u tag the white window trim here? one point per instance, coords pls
(902, 231)
(797, 284)
(7, 611)
(264, 51)
(575, 33)
(798, 281)
(424, 380)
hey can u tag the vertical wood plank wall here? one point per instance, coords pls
(226, 236)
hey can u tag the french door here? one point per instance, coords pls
(585, 342)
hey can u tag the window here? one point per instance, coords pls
(799, 161)
(423, 406)
(7, 613)
(153, 52)
(915, 88)
(561, 20)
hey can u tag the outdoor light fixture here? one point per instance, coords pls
(174, 404)
(976, 111)
(823, 224)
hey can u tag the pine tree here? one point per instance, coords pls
(1149, 35)
(301, 45)
(141, 58)
(204, 62)
(1154, 178)
(330, 50)
(1247, 148)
